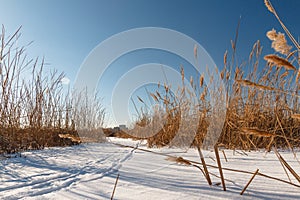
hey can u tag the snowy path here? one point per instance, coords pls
(89, 172)
(49, 171)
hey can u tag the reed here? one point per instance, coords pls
(35, 109)
(278, 61)
(262, 104)
(249, 182)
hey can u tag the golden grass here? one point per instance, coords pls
(34, 110)
(295, 116)
(255, 132)
(252, 84)
(179, 160)
(269, 6)
(262, 106)
(279, 43)
(278, 61)
(73, 138)
(272, 10)
(260, 102)
(266, 99)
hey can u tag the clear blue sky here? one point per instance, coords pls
(65, 31)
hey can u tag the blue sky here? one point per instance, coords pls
(66, 31)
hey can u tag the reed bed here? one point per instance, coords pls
(262, 106)
(36, 110)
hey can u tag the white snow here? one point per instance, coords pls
(89, 172)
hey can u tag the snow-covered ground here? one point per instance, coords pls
(89, 172)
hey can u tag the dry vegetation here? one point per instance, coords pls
(35, 109)
(262, 105)
(262, 109)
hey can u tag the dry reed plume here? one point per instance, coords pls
(278, 61)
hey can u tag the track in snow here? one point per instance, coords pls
(89, 172)
(42, 172)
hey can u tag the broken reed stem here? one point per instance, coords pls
(256, 172)
(228, 180)
(112, 195)
(220, 167)
(224, 155)
(204, 165)
(180, 160)
(281, 159)
(288, 176)
(200, 170)
(212, 166)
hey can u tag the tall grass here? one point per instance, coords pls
(262, 105)
(35, 109)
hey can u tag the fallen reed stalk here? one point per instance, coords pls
(224, 155)
(246, 186)
(283, 161)
(182, 161)
(115, 186)
(282, 165)
(208, 165)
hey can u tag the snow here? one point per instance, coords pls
(89, 171)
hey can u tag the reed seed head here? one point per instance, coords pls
(278, 61)
(269, 6)
(279, 42)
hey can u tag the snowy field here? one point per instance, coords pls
(89, 172)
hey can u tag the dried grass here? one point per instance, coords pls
(35, 112)
(255, 132)
(278, 61)
(295, 116)
(261, 105)
(269, 6)
(260, 102)
(279, 43)
(179, 160)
